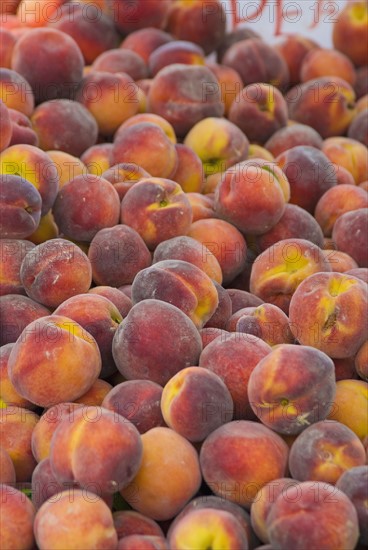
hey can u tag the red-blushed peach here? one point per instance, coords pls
(293, 48)
(184, 95)
(110, 98)
(33, 164)
(60, 63)
(65, 351)
(335, 202)
(98, 158)
(344, 369)
(349, 154)
(343, 176)
(327, 104)
(116, 296)
(257, 62)
(47, 229)
(350, 234)
(324, 451)
(37, 14)
(158, 209)
(16, 92)
(288, 396)
(152, 119)
(129, 18)
(239, 458)
(96, 393)
(96, 447)
(65, 125)
(170, 336)
(44, 484)
(47, 424)
(320, 62)
(233, 358)
(350, 406)
(294, 223)
(292, 136)
(358, 128)
(259, 110)
(328, 311)
(360, 273)
(142, 542)
(223, 311)
(252, 196)
(256, 151)
(180, 283)
(278, 271)
(145, 41)
(230, 83)
(138, 401)
(189, 172)
(195, 402)
(5, 126)
(85, 205)
(7, 41)
(124, 175)
(100, 318)
(54, 271)
(20, 210)
(292, 521)
(310, 174)
(176, 51)
(16, 427)
(130, 522)
(361, 362)
(353, 483)
(16, 520)
(68, 166)
(22, 131)
(117, 254)
(208, 334)
(94, 528)
(361, 85)
(218, 142)
(147, 145)
(16, 312)
(235, 35)
(7, 470)
(8, 394)
(12, 253)
(350, 34)
(266, 321)
(242, 298)
(202, 206)
(339, 261)
(116, 60)
(168, 454)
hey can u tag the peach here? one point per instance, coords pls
(208, 334)
(344, 369)
(55, 270)
(132, 17)
(158, 209)
(358, 128)
(230, 83)
(339, 261)
(143, 542)
(350, 406)
(292, 520)
(223, 311)
(110, 98)
(7, 470)
(240, 457)
(85, 205)
(37, 14)
(117, 254)
(138, 401)
(343, 176)
(147, 145)
(324, 451)
(45, 485)
(361, 362)
(195, 402)
(17, 312)
(16, 521)
(145, 41)
(96, 393)
(47, 229)
(360, 273)
(349, 154)
(292, 387)
(98, 158)
(65, 125)
(7, 41)
(266, 321)
(328, 311)
(350, 235)
(22, 131)
(258, 152)
(233, 358)
(8, 394)
(20, 210)
(259, 110)
(361, 85)
(35, 166)
(121, 60)
(16, 92)
(202, 205)
(327, 104)
(68, 166)
(233, 36)
(68, 378)
(176, 51)
(151, 118)
(321, 62)
(242, 298)
(350, 32)
(293, 48)
(219, 144)
(94, 527)
(129, 522)
(170, 336)
(294, 223)
(279, 270)
(5, 126)
(310, 174)
(189, 173)
(180, 283)
(335, 202)
(124, 175)
(184, 95)
(16, 427)
(292, 136)
(353, 483)
(165, 453)
(60, 63)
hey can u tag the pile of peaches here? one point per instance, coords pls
(184, 269)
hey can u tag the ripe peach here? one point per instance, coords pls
(265, 321)
(5, 126)
(236, 35)
(292, 136)
(16, 520)
(208, 334)
(132, 17)
(7, 41)
(202, 205)
(176, 51)
(16, 92)
(358, 128)
(360, 273)
(349, 154)
(143, 542)
(350, 32)
(96, 393)
(321, 62)
(350, 406)
(68, 166)
(121, 60)
(98, 158)
(8, 394)
(20, 207)
(361, 362)
(189, 171)
(223, 311)
(145, 41)
(124, 175)
(241, 299)
(152, 119)
(339, 261)
(7, 470)
(230, 83)
(293, 48)
(22, 131)
(16, 313)
(353, 483)
(350, 234)
(129, 522)
(258, 152)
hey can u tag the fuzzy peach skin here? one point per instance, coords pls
(16, 313)
(143, 542)
(12, 253)
(350, 235)
(292, 521)
(96, 393)
(350, 33)
(151, 118)
(230, 83)
(278, 271)
(22, 131)
(5, 126)
(8, 394)
(98, 158)
(348, 153)
(7, 41)
(202, 206)
(189, 171)
(223, 311)
(20, 207)
(55, 523)
(252, 196)
(324, 451)
(328, 311)
(16, 428)
(350, 406)
(165, 454)
(130, 18)
(361, 362)
(321, 62)
(47, 229)
(65, 366)
(339, 261)
(240, 457)
(292, 136)
(145, 41)
(353, 483)
(96, 447)
(16, 92)
(116, 60)
(124, 175)
(68, 166)
(7, 470)
(293, 48)
(176, 51)
(358, 128)
(16, 519)
(129, 522)
(265, 321)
